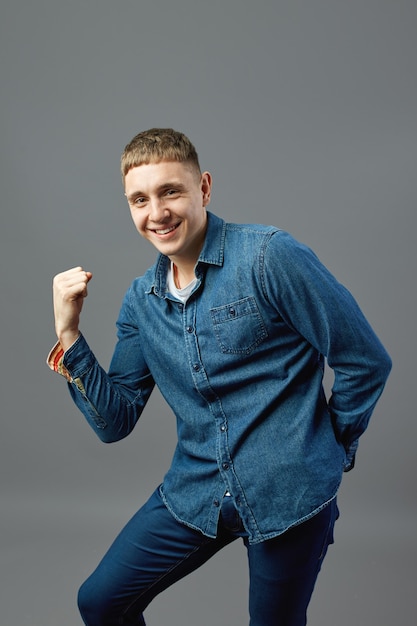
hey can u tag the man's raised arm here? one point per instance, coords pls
(69, 291)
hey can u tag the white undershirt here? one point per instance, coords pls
(181, 294)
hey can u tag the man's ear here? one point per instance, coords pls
(206, 184)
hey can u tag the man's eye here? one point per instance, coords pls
(171, 192)
(139, 200)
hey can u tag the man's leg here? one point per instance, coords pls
(283, 571)
(151, 553)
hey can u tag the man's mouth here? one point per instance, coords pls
(165, 231)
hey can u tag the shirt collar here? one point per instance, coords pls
(212, 253)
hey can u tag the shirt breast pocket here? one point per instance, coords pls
(238, 326)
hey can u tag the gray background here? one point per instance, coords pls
(305, 113)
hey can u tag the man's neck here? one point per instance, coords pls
(183, 275)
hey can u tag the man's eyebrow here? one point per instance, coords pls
(160, 189)
(135, 194)
(176, 184)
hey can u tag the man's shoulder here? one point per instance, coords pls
(251, 229)
(269, 242)
(254, 235)
(267, 235)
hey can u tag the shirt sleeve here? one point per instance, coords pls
(318, 307)
(112, 401)
(55, 362)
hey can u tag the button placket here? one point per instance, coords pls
(191, 341)
(202, 385)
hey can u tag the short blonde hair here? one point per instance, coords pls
(158, 144)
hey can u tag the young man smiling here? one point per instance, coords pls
(168, 202)
(248, 316)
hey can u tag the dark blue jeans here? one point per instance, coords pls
(153, 551)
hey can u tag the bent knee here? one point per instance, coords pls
(92, 604)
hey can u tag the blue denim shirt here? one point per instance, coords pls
(241, 366)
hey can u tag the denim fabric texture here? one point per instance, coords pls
(154, 551)
(241, 366)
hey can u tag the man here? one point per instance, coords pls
(233, 324)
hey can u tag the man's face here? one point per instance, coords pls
(167, 202)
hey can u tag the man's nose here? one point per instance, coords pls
(159, 209)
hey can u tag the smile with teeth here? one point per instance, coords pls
(165, 231)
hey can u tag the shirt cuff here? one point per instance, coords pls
(351, 456)
(55, 362)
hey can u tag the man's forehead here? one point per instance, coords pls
(159, 173)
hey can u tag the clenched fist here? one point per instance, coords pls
(69, 291)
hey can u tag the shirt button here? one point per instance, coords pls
(223, 428)
(216, 503)
(232, 311)
(225, 466)
(189, 329)
(196, 367)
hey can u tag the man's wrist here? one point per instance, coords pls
(68, 338)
